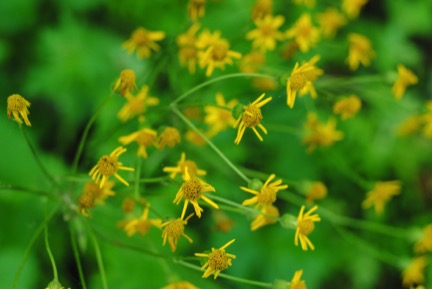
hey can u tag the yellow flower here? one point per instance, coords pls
(208, 38)
(180, 285)
(405, 78)
(142, 224)
(99, 193)
(192, 190)
(301, 80)
(107, 166)
(195, 138)
(267, 194)
(137, 105)
(222, 221)
(191, 166)
(144, 42)
(16, 106)
(144, 137)
(347, 107)
(250, 118)
(261, 8)
(381, 194)
(413, 275)
(316, 190)
(268, 215)
(425, 243)
(352, 7)
(218, 260)
(305, 226)
(321, 134)
(360, 51)
(252, 62)
(173, 230)
(307, 3)
(304, 33)
(265, 84)
(330, 21)
(266, 34)
(126, 82)
(169, 137)
(196, 9)
(86, 202)
(296, 282)
(409, 126)
(128, 205)
(219, 117)
(426, 119)
(188, 52)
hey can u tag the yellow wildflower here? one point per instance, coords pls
(321, 134)
(267, 194)
(169, 137)
(195, 138)
(86, 202)
(107, 166)
(196, 9)
(250, 118)
(222, 221)
(268, 215)
(191, 166)
(330, 21)
(262, 8)
(173, 230)
(425, 243)
(219, 117)
(208, 38)
(316, 190)
(352, 7)
(180, 285)
(99, 193)
(137, 105)
(142, 224)
(252, 62)
(304, 33)
(266, 34)
(265, 84)
(128, 205)
(305, 226)
(360, 51)
(126, 82)
(218, 260)
(413, 275)
(301, 80)
(16, 106)
(409, 126)
(405, 78)
(192, 190)
(347, 107)
(188, 52)
(144, 137)
(144, 42)
(307, 3)
(296, 282)
(381, 193)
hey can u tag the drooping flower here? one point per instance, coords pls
(424, 244)
(169, 137)
(360, 51)
(218, 260)
(107, 166)
(316, 190)
(320, 134)
(296, 282)
(182, 164)
(304, 33)
(192, 190)
(267, 194)
(330, 21)
(188, 52)
(86, 202)
(173, 230)
(144, 42)
(219, 117)
(250, 118)
(405, 78)
(142, 225)
(126, 82)
(144, 137)
(268, 215)
(413, 274)
(352, 7)
(305, 226)
(99, 193)
(381, 193)
(18, 106)
(266, 34)
(262, 8)
(196, 9)
(347, 107)
(180, 285)
(137, 105)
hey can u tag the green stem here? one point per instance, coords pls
(51, 257)
(154, 179)
(98, 255)
(232, 203)
(36, 157)
(77, 257)
(85, 134)
(24, 189)
(221, 155)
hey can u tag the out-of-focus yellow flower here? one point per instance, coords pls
(188, 53)
(218, 260)
(297, 282)
(405, 78)
(425, 243)
(142, 225)
(413, 275)
(321, 134)
(265, 84)
(252, 62)
(330, 21)
(126, 82)
(347, 107)
(352, 7)
(182, 164)
(85, 203)
(250, 118)
(427, 121)
(305, 226)
(360, 51)
(137, 105)
(144, 137)
(316, 190)
(180, 285)
(267, 194)
(288, 50)
(381, 193)
(196, 9)
(143, 41)
(262, 8)
(195, 138)
(307, 3)
(170, 136)
(16, 106)
(268, 215)
(409, 126)
(173, 230)
(304, 33)
(219, 117)
(100, 194)
(266, 34)
(222, 221)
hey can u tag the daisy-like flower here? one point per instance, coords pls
(305, 226)
(321, 134)
(144, 42)
(250, 118)
(266, 34)
(196, 9)
(347, 107)
(307, 3)
(86, 202)
(330, 21)
(424, 244)
(304, 33)
(16, 106)
(268, 215)
(169, 137)
(188, 51)
(262, 8)
(173, 230)
(316, 190)
(142, 225)
(99, 193)
(301, 80)
(252, 62)
(352, 7)
(180, 285)
(195, 138)
(360, 51)
(219, 117)
(107, 166)
(381, 193)
(297, 282)
(182, 164)
(144, 137)
(413, 275)
(267, 194)
(405, 78)
(126, 82)
(137, 105)
(192, 190)
(218, 260)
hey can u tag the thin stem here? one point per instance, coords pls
(221, 155)
(24, 189)
(232, 203)
(154, 179)
(98, 255)
(51, 257)
(36, 157)
(77, 258)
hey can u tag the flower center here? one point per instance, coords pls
(252, 116)
(108, 165)
(267, 30)
(136, 105)
(267, 196)
(175, 228)
(143, 226)
(306, 227)
(219, 52)
(218, 260)
(192, 189)
(145, 139)
(189, 52)
(298, 81)
(140, 37)
(86, 201)
(170, 137)
(127, 76)
(16, 103)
